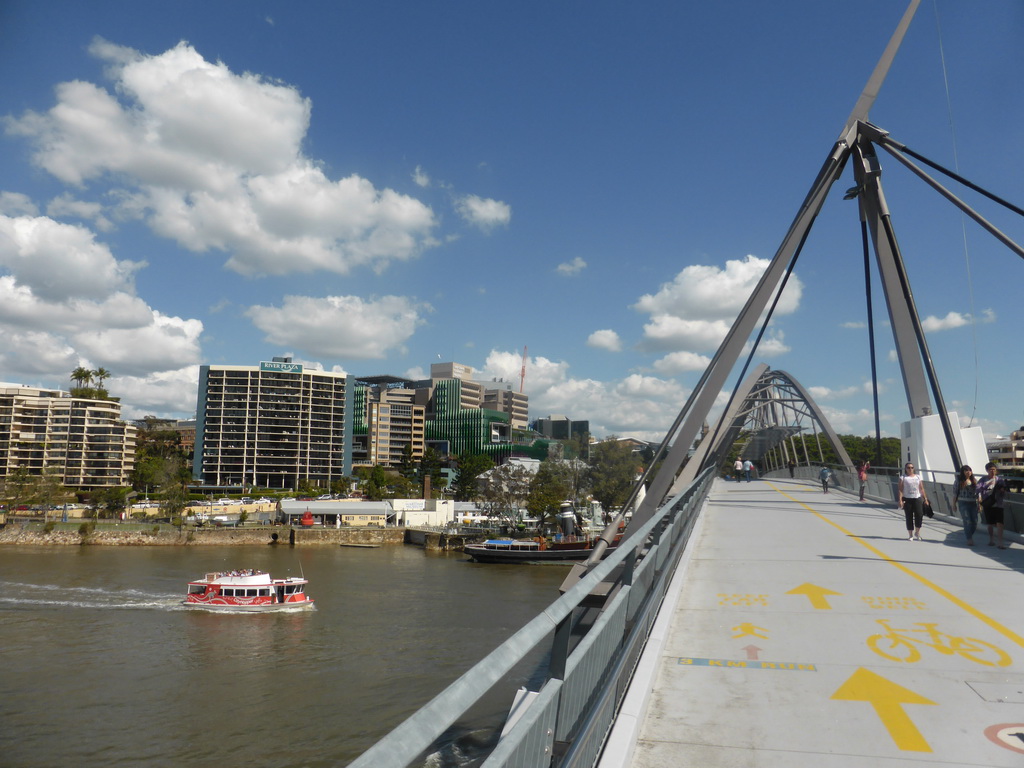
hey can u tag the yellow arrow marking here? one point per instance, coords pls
(1004, 631)
(888, 699)
(815, 594)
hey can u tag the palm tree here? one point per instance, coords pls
(82, 376)
(100, 375)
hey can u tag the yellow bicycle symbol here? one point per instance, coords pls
(899, 645)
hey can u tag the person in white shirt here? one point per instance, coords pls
(913, 497)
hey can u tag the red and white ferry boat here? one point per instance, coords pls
(248, 591)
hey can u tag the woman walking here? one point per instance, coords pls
(965, 491)
(862, 475)
(991, 491)
(912, 498)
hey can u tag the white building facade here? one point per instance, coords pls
(273, 425)
(83, 441)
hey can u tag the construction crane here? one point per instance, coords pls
(522, 373)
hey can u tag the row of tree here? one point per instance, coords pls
(85, 378)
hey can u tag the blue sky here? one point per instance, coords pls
(374, 187)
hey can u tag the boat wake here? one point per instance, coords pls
(16, 594)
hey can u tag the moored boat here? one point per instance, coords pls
(248, 591)
(539, 550)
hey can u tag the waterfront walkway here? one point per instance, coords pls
(804, 629)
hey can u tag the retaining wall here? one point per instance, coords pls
(34, 535)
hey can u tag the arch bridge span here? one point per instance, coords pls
(777, 421)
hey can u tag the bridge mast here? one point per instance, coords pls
(687, 425)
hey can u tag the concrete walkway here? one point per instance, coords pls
(804, 629)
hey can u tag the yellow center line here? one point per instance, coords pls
(1004, 631)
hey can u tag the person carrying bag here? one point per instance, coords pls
(991, 492)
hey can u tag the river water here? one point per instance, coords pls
(103, 666)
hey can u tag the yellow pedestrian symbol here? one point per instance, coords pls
(746, 628)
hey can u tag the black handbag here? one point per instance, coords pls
(927, 510)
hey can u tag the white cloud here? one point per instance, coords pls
(420, 177)
(605, 339)
(67, 206)
(772, 344)
(668, 332)
(66, 301)
(709, 292)
(59, 262)
(955, 320)
(341, 326)
(637, 406)
(17, 204)
(164, 394)
(165, 343)
(854, 324)
(820, 393)
(681, 362)
(695, 311)
(213, 160)
(859, 422)
(570, 268)
(483, 213)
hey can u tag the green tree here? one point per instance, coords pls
(402, 488)
(172, 483)
(82, 376)
(158, 456)
(99, 376)
(109, 502)
(504, 490)
(549, 488)
(469, 467)
(613, 472)
(407, 466)
(342, 485)
(19, 489)
(49, 488)
(374, 482)
(431, 466)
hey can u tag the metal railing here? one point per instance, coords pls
(570, 714)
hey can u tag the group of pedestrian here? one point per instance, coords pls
(971, 495)
(985, 495)
(744, 468)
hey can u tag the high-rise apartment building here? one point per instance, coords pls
(274, 425)
(82, 440)
(388, 416)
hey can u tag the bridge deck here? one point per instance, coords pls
(804, 629)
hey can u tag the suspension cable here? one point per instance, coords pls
(963, 223)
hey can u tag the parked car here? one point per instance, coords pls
(324, 497)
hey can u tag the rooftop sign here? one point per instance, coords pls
(281, 367)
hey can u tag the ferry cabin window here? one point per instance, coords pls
(196, 589)
(227, 592)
